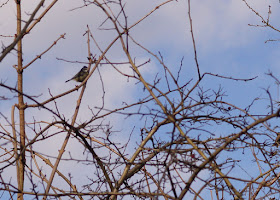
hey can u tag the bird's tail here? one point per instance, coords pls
(68, 80)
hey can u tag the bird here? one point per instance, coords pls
(80, 76)
(277, 140)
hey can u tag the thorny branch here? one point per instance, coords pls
(178, 137)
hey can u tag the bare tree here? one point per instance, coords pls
(169, 147)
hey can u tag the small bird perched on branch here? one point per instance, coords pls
(277, 141)
(80, 76)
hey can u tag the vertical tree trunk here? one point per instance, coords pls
(21, 106)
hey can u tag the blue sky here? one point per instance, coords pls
(225, 45)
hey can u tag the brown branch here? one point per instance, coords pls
(39, 56)
(193, 40)
(22, 32)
